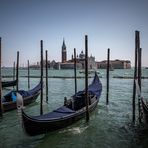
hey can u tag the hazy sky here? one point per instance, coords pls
(108, 24)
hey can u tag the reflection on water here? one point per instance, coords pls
(109, 127)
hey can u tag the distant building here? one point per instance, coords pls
(114, 64)
(53, 65)
(69, 64)
(35, 66)
(64, 52)
(80, 62)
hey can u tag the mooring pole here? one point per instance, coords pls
(46, 76)
(137, 45)
(107, 76)
(1, 107)
(86, 78)
(14, 72)
(139, 83)
(75, 71)
(17, 71)
(28, 75)
(41, 105)
(139, 67)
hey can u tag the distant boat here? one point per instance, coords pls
(73, 110)
(89, 72)
(9, 83)
(9, 100)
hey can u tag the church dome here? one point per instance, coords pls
(82, 55)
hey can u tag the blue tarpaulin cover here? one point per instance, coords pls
(11, 96)
(94, 88)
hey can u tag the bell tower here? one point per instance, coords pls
(64, 52)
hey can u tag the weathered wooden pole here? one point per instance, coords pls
(41, 105)
(86, 78)
(139, 67)
(139, 83)
(17, 71)
(14, 72)
(1, 107)
(107, 76)
(75, 71)
(46, 76)
(28, 75)
(137, 46)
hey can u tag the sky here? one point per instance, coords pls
(108, 24)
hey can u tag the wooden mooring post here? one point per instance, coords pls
(1, 107)
(75, 71)
(137, 46)
(139, 67)
(107, 76)
(86, 78)
(46, 76)
(41, 63)
(14, 76)
(14, 71)
(28, 75)
(139, 83)
(17, 71)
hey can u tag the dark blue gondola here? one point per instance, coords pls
(9, 83)
(9, 100)
(73, 110)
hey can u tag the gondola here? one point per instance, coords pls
(9, 100)
(8, 83)
(145, 109)
(72, 110)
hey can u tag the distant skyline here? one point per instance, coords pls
(108, 24)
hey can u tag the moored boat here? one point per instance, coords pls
(8, 83)
(72, 110)
(9, 100)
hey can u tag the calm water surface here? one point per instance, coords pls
(109, 126)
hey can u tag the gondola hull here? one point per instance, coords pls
(9, 100)
(9, 83)
(35, 127)
(8, 106)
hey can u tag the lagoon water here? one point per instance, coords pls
(109, 126)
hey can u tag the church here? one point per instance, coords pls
(80, 60)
